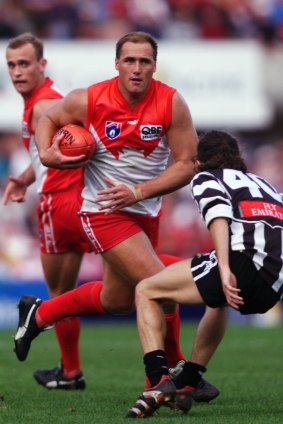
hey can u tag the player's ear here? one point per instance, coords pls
(196, 165)
(43, 64)
(117, 64)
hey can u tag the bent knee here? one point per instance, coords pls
(143, 289)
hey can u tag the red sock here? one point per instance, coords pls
(169, 259)
(84, 300)
(68, 334)
(172, 339)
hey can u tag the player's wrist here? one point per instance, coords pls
(138, 193)
(21, 180)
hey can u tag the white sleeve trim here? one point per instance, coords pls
(218, 211)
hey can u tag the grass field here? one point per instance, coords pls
(247, 368)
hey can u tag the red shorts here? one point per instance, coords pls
(59, 225)
(105, 231)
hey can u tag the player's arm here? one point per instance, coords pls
(219, 231)
(70, 110)
(17, 186)
(39, 109)
(182, 139)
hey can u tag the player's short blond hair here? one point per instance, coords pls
(137, 37)
(27, 38)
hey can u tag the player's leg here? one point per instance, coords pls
(61, 272)
(174, 283)
(135, 259)
(35, 315)
(174, 355)
(115, 235)
(209, 334)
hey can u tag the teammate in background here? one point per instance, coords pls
(136, 121)
(244, 214)
(61, 243)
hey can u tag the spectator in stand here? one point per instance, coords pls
(213, 22)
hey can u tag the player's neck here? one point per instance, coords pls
(132, 99)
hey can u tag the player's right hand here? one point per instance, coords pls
(53, 157)
(15, 191)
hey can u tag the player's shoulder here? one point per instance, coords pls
(101, 85)
(160, 85)
(75, 99)
(206, 176)
(76, 94)
(43, 104)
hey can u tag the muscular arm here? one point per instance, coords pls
(39, 109)
(70, 110)
(17, 186)
(220, 236)
(182, 139)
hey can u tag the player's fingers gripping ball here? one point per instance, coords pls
(76, 141)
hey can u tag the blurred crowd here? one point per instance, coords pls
(194, 19)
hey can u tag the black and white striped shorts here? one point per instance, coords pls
(258, 296)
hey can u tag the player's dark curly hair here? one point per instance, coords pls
(219, 150)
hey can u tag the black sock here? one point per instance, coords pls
(155, 366)
(190, 376)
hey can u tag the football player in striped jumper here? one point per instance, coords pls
(244, 215)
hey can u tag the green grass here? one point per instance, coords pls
(247, 368)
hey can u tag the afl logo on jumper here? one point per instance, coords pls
(112, 129)
(150, 132)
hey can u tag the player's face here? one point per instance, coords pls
(136, 66)
(26, 71)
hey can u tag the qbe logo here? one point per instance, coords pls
(150, 132)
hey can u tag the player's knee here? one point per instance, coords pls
(142, 289)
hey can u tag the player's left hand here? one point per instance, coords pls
(231, 291)
(118, 196)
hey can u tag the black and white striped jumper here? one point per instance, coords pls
(254, 210)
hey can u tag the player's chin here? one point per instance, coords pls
(21, 88)
(137, 87)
